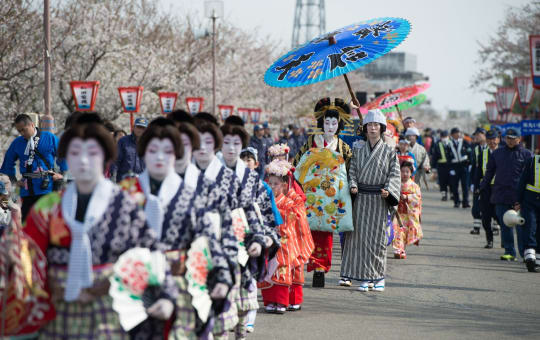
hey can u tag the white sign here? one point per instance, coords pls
(83, 95)
(505, 96)
(129, 97)
(168, 104)
(524, 90)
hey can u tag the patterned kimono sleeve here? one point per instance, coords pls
(228, 238)
(414, 198)
(36, 227)
(202, 225)
(305, 240)
(249, 194)
(269, 219)
(393, 179)
(347, 153)
(354, 169)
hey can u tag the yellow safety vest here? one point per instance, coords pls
(477, 154)
(443, 154)
(485, 155)
(536, 186)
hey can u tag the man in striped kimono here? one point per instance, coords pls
(374, 176)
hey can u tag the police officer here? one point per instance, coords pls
(460, 159)
(504, 169)
(440, 159)
(529, 201)
(480, 144)
(487, 209)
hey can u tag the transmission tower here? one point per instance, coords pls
(309, 21)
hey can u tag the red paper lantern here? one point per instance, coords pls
(524, 89)
(491, 111)
(243, 112)
(167, 101)
(84, 94)
(194, 104)
(131, 98)
(225, 111)
(255, 115)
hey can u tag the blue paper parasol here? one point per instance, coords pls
(338, 52)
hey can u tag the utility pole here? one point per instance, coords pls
(214, 65)
(47, 58)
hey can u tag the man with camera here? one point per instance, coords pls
(36, 152)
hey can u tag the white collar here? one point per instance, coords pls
(80, 273)
(213, 169)
(240, 169)
(319, 142)
(169, 186)
(191, 176)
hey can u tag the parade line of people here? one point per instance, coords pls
(229, 216)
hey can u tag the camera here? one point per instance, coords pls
(45, 183)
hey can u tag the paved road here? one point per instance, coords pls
(448, 288)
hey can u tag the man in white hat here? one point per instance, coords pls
(420, 153)
(373, 174)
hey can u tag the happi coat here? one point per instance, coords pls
(364, 248)
(296, 243)
(409, 210)
(114, 224)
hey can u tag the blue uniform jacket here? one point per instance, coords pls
(527, 177)
(47, 146)
(507, 166)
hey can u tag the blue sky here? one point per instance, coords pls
(444, 34)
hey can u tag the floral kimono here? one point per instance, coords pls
(178, 223)
(296, 248)
(78, 258)
(322, 172)
(225, 198)
(409, 211)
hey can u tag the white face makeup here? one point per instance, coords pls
(85, 160)
(330, 126)
(232, 147)
(206, 152)
(159, 158)
(181, 164)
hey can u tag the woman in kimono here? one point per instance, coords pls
(409, 210)
(82, 231)
(166, 198)
(375, 178)
(224, 198)
(282, 289)
(235, 138)
(331, 118)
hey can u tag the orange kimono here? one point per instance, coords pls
(285, 285)
(409, 210)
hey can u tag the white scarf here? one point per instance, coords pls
(191, 176)
(155, 206)
(30, 144)
(80, 253)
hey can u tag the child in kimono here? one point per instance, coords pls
(282, 288)
(409, 210)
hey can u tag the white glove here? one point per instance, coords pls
(255, 250)
(220, 291)
(452, 172)
(472, 187)
(162, 309)
(268, 241)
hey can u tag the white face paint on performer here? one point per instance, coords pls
(330, 126)
(159, 158)
(181, 164)
(206, 152)
(231, 149)
(85, 160)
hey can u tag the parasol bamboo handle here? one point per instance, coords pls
(398, 111)
(354, 99)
